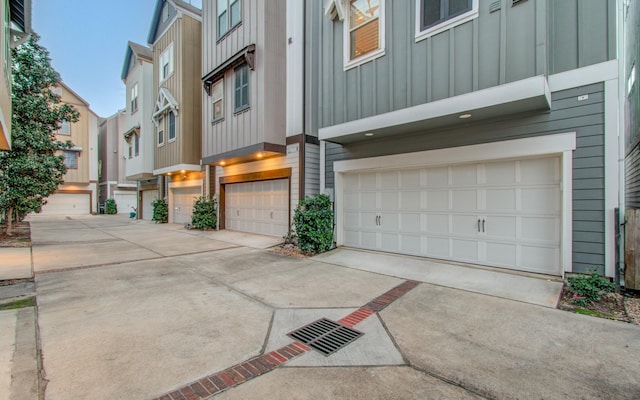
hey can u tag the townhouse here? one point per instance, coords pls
(174, 38)
(258, 136)
(483, 132)
(16, 18)
(78, 193)
(113, 153)
(139, 133)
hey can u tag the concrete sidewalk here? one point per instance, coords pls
(157, 309)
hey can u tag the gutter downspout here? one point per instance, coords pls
(303, 147)
(620, 264)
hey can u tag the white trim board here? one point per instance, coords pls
(560, 144)
(178, 168)
(584, 76)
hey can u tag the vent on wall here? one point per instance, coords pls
(495, 6)
(515, 2)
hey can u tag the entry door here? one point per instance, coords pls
(502, 213)
(258, 207)
(183, 199)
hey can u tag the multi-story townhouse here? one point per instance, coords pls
(139, 135)
(16, 26)
(175, 39)
(78, 193)
(257, 133)
(482, 132)
(113, 153)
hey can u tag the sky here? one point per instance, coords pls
(87, 40)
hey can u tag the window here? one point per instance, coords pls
(172, 126)
(241, 77)
(134, 98)
(228, 15)
(217, 91)
(631, 80)
(136, 145)
(435, 16)
(70, 159)
(166, 63)
(130, 149)
(364, 27)
(65, 128)
(160, 131)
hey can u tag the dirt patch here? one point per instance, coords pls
(21, 236)
(289, 250)
(624, 306)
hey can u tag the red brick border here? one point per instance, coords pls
(254, 367)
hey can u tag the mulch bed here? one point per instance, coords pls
(289, 250)
(21, 236)
(624, 306)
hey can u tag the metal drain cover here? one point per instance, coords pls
(325, 336)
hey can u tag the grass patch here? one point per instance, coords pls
(17, 304)
(592, 313)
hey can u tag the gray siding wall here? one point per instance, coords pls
(586, 118)
(312, 63)
(531, 38)
(265, 26)
(312, 169)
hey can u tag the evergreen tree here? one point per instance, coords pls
(34, 167)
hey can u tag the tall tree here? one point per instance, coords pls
(34, 167)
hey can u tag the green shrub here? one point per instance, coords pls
(110, 206)
(587, 288)
(204, 213)
(160, 211)
(313, 220)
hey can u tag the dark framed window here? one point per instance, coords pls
(434, 12)
(172, 125)
(217, 94)
(241, 88)
(136, 145)
(71, 159)
(228, 15)
(160, 131)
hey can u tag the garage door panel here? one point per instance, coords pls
(541, 199)
(437, 176)
(67, 204)
(410, 223)
(465, 225)
(535, 171)
(410, 244)
(501, 254)
(437, 247)
(538, 258)
(390, 200)
(501, 226)
(390, 220)
(541, 229)
(464, 250)
(390, 242)
(410, 178)
(437, 224)
(464, 175)
(410, 200)
(368, 181)
(258, 207)
(148, 197)
(500, 173)
(465, 200)
(500, 200)
(438, 200)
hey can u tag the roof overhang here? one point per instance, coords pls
(511, 98)
(256, 152)
(135, 130)
(165, 101)
(177, 168)
(246, 55)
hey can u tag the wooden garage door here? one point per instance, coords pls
(258, 207)
(67, 204)
(503, 213)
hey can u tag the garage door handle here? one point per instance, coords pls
(238, 213)
(271, 214)
(483, 225)
(478, 224)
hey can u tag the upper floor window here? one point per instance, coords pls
(171, 121)
(130, 149)
(70, 159)
(217, 91)
(65, 128)
(364, 31)
(241, 88)
(160, 131)
(228, 15)
(435, 16)
(134, 98)
(166, 63)
(136, 145)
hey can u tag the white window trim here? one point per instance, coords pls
(175, 126)
(168, 49)
(348, 64)
(134, 96)
(164, 133)
(214, 99)
(445, 25)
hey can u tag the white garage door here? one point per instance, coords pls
(258, 207)
(181, 206)
(126, 201)
(503, 213)
(148, 197)
(67, 204)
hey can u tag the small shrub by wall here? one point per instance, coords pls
(110, 206)
(313, 220)
(204, 214)
(160, 211)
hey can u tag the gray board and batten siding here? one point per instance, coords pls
(534, 37)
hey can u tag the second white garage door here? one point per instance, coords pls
(258, 207)
(504, 213)
(148, 197)
(126, 201)
(181, 206)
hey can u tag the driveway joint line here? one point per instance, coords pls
(220, 381)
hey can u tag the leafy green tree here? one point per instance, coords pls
(34, 167)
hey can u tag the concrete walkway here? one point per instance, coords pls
(128, 309)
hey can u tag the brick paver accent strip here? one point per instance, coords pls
(259, 365)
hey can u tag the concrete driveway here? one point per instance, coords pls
(133, 310)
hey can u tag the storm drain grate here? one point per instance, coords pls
(325, 336)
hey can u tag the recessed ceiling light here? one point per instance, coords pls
(260, 155)
(222, 163)
(182, 171)
(465, 116)
(369, 134)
